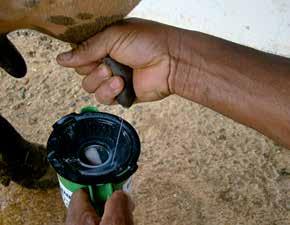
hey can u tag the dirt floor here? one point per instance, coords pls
(196, 167)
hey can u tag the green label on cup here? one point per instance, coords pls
(98, 193)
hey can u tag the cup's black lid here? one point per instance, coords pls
(83, 148)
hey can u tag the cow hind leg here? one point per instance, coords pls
(21, 161)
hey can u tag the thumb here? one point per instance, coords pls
(80, 211)
(118, 210)
(92, 50)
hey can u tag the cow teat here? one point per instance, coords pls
(10, 59)
(66, 20)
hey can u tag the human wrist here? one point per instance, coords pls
(186, 65)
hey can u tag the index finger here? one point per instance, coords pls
(118, 210)
(92, 50)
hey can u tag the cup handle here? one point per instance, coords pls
(89, 109)
(99, 195)
(127, 97)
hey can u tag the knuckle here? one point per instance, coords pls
(84, 46)
(85, 84)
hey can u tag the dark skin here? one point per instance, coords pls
(248, 86)
(118, 210)
(83, 18)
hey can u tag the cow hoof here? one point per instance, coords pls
(47, 181)
(31, 170)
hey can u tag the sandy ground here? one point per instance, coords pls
(196, 167)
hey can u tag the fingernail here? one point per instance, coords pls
(104, 71)
(65, 56)
(115, 85)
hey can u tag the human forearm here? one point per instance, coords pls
(249, 86)
(246, 85)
